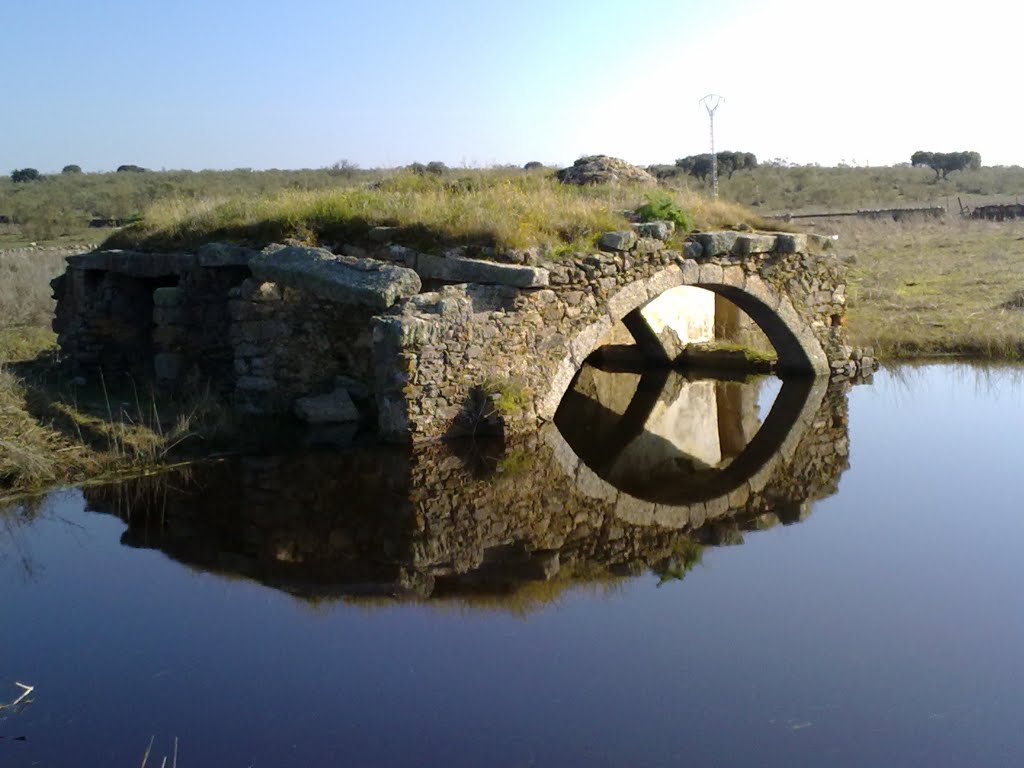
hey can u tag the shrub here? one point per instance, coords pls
(130, 169)
(71, 169)
(533, 165)
(661, 206)
(437, 167)
(25, 174)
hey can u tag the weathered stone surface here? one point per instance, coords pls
(747, 245)
(617, 241)
(342, 279)
(659, 230)
(716, 243)
(334, 407)
(602, 169)
(133, 263)
(459, 269)
(223, 255)
(796, 243)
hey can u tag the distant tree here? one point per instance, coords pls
(728, 163)
(71, 169)
(665, 171)
(944, 163)
(343, 168)
(130, 169)
(696, 165)
(436, 166)
(416, 168)
(25, 174)
(533, 165)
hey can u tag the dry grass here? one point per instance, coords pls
(52, 432)
(477, 208)
(932, 288)
(25, 295)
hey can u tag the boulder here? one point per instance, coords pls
(332, 408)
(617, 241)
(341, 279)
(224, 255)
(659, 230)
(602, 169)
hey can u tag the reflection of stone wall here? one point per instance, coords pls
(432, 521)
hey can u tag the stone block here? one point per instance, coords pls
(692, 250)
(795, 243)
(629, 298)
(213, 255)
(716, 243)
(748, 245)
(659, 230)
(711, 274)
(617, 241)
(458, 269)
(334, 407)
(340, 279)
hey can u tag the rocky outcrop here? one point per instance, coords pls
(602, 169)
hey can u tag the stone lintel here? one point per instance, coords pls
(460, 269)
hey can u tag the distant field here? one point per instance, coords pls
(925, 288)
(58, 208)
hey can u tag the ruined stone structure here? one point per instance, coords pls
(425, 346)
(429, 521)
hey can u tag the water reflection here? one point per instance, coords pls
(639, 473)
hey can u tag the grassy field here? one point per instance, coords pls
(931, 288)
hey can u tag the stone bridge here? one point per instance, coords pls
(425, 346)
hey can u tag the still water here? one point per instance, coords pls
(675, 573)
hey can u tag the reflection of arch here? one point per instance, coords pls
(795, 409)
(799, 351)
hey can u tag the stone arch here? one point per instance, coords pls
(798, 349)
(794, 412)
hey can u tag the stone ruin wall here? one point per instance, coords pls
(494, 345)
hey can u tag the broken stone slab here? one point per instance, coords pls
(617, 241)
(134, 263)
(224, 255)
(747, 245)
(716, 243)
(341, 279)
(332, 408)
(459, 269)
(659, 230)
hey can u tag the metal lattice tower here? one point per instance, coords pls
(712, 102)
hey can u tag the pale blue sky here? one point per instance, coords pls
(224, 84)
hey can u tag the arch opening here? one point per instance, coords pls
(667, 438)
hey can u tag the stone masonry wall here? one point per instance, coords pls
(289, 344)
(493, 347)
(461, 358)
